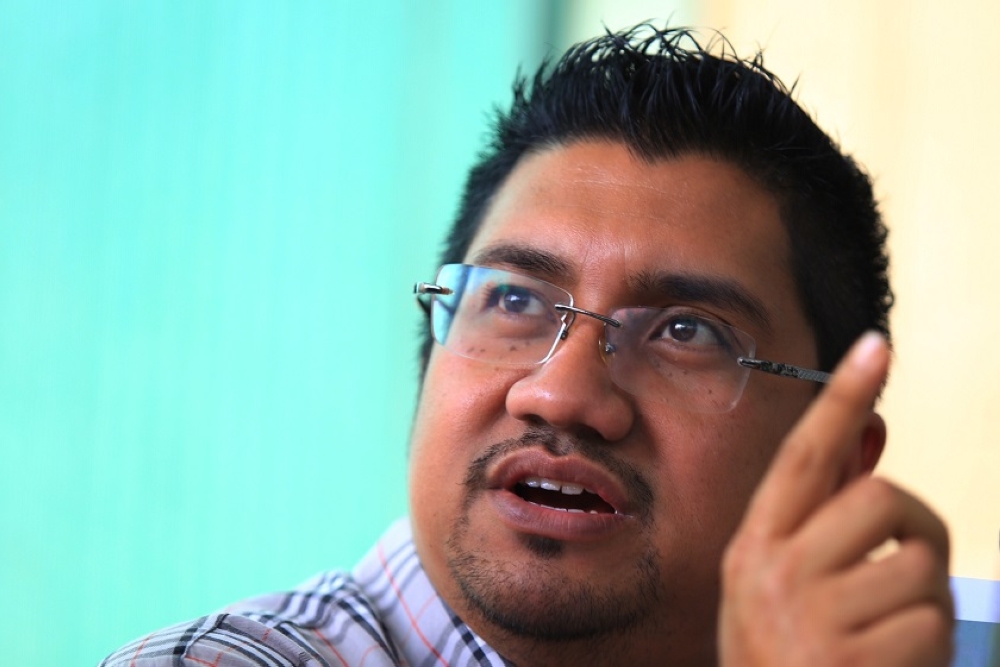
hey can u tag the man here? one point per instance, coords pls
(622, 453)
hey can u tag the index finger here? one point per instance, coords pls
(809, 463)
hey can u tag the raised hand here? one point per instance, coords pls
(799, 584)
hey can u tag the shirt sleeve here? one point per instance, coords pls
(327, 623)
(219, 640)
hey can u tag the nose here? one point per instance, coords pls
(573, 391)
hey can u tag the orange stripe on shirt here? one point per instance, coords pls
(406, 608)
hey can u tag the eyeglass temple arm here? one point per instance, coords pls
(784, 370)
(430, 288)
(427, 289)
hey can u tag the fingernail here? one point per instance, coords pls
(866, 348)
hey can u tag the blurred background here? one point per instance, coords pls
(211, 217)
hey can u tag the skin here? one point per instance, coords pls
(648, 589)
(800, 586)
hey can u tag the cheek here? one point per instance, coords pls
(458, 398)
(461, 402)
(740, 448)
(707, 477)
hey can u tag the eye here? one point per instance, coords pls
(515, 300)
(690, 330)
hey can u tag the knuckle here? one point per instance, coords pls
(937, 531)
(794, 557)
(874, 496)
(755, 568)
(876, 493)
(777, 583)
(737, 560)
(931, 623)
(921, 562)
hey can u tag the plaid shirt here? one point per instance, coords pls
(383, 613)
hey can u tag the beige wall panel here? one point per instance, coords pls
(913, 91)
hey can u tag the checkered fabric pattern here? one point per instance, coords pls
(383, 613)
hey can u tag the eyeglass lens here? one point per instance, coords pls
(669, 354)
(496, 315)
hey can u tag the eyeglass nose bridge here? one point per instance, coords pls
(562, 307)
(571, 312)
(574, 311)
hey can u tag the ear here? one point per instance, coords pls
(868, 451)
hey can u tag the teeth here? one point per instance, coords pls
(563, 509)
(554, 485)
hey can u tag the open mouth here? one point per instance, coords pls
(564, 496)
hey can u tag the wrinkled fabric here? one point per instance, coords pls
(383, 613)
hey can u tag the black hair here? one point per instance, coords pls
(663, 95)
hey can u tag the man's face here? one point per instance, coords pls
(612, 230)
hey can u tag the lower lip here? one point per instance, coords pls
(527, 517)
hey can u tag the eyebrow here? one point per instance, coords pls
(720, 292)
(525, 258)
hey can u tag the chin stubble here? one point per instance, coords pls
(541, 602)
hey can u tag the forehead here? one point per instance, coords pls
(600, 192)
(609, 218)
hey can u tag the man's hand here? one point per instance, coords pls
(799, 587)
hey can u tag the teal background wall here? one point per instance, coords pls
(211, 216)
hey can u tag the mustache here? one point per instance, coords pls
(639, 490)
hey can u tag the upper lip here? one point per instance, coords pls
(572, 468)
